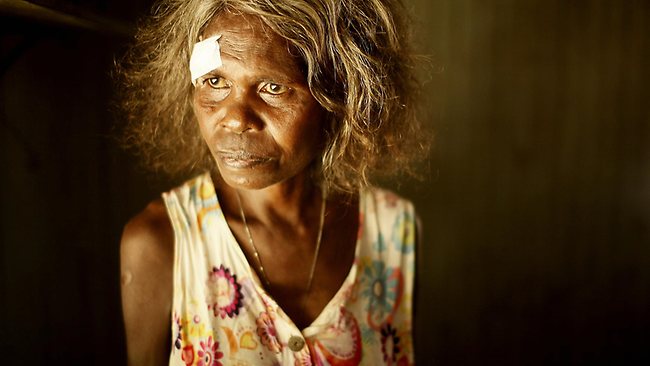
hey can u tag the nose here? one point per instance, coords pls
(238, 115)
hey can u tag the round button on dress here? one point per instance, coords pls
(296, 343)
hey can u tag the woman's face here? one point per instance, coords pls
(255, 111)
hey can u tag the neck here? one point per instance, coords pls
(294, 201)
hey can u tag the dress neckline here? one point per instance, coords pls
(321, 319)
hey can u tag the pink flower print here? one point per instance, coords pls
(267, 332)
(340, 343)
(179, 338)
(304, 359)
(225, 297)
(209, 354)
(389, 344)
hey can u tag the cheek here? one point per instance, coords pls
(308, 135)
(299, 128)
(203, 118)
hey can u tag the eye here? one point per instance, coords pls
(274, 89)
(212, 88)
(216, 82)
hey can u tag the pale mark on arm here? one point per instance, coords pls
(127, 278)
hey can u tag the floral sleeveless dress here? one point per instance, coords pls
(223, 316)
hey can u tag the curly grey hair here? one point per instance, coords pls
(359, 67)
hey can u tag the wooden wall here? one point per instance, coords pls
(537, 213)
(66, 190)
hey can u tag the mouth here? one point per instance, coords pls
(241, 159)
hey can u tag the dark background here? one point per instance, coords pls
(536, 209)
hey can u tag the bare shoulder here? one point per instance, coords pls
(146, 257)
(147, 249)
(149, 232)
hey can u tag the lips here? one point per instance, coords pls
(242, 159)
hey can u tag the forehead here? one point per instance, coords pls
(246, 38)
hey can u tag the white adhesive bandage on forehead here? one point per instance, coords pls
(206, 56)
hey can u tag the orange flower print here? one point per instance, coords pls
(188, 354)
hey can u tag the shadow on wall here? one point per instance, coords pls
(65, 192)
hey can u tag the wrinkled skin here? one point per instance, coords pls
(256, 112)
(265, 131)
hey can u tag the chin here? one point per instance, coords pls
(247, 181)
(259, 176)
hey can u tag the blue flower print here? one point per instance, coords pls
(382, 287)
(380, 245)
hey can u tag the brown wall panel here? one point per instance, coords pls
(537, 213)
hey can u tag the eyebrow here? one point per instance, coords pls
(280, 78)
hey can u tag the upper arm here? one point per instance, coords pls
(146, 261)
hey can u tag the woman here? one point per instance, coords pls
(278, 251)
